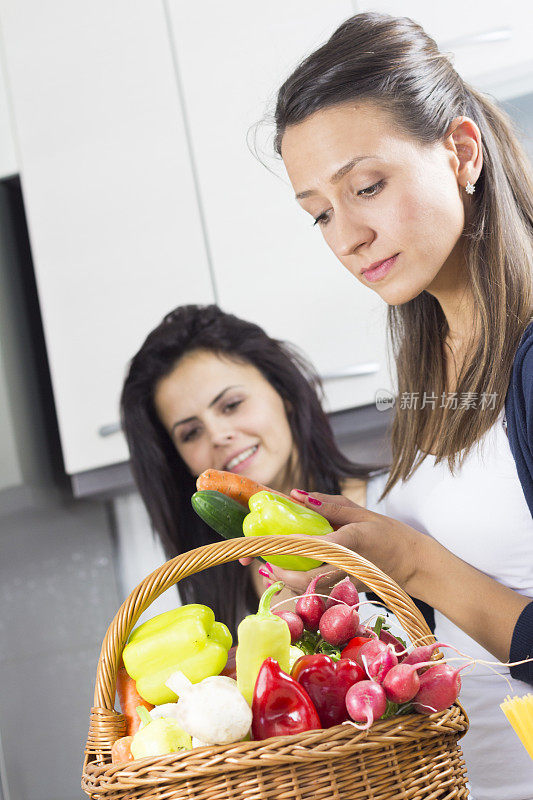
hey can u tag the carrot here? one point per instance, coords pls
(121, 750)
(129, 699)
(236, 486)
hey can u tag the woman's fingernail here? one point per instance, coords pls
(263, 572)
(269, 567)
(301, 491)
(314, 501)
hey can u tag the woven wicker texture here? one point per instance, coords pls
(408, 757)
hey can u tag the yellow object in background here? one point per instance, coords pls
(519, 712)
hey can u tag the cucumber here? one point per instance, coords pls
(220, 512)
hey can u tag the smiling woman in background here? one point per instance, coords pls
(421, 189)
(209, 390)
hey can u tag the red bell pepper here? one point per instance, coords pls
(326, 682)
(351, 650)
(280, 705)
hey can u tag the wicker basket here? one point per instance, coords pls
(403, 758)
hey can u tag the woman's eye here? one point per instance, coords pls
(232, 406)
(371, 191)
(189, 435)
(322, 219)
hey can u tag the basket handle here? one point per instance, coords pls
(229, 550)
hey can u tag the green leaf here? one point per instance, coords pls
(379, 624)
(390, 711)
(308, 642)
(329, 650)
(405, 708)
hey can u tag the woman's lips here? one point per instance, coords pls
(377, 273)
(243, 464)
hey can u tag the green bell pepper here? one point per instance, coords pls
(273, 515)
(186, 639)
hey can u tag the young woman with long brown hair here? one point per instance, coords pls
(420, 187)
(210, 390)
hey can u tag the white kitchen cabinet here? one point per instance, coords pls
(490, 42)
(269, 264)
(110, 197)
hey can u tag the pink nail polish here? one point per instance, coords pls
(301, 491)
(263, 572)
(314, 501)
(269, 568)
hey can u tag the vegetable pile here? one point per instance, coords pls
(183, 685)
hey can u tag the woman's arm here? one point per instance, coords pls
(479, 605)
(483, 608)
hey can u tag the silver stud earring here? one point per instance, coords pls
(470, 188)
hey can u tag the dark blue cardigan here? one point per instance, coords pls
(519, 415)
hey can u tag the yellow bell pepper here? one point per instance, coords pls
(186, 639)
(273, 515)
(158, 737)
(261, 635)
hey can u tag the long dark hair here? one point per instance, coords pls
(163, 479)
(393, 63)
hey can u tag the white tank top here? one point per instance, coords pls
(480, 514)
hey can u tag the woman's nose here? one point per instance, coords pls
(221, 438)
(350, 235)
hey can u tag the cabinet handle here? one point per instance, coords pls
(495, 35)
(109, 430)
(352, 372)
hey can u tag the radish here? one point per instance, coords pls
(401, 683)
(343, 592)
(339, 624)
(377, 658)
(439, 688)
(311, 607)
(294, 622)
(388, 638)
(423, 653)
(364, 630)
(365, 702)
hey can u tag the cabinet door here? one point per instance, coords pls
(110, 198)
(490, 48)
(270, 265)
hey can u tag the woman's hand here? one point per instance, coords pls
(390, 545)
(483, 608)
(300, 497)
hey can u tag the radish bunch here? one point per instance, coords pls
(394, 676)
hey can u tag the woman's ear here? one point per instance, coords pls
(464, 140)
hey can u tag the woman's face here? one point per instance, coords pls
(378, 194)
(223, 414)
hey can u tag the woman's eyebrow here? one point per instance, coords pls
(335, 178)
(211, 404)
